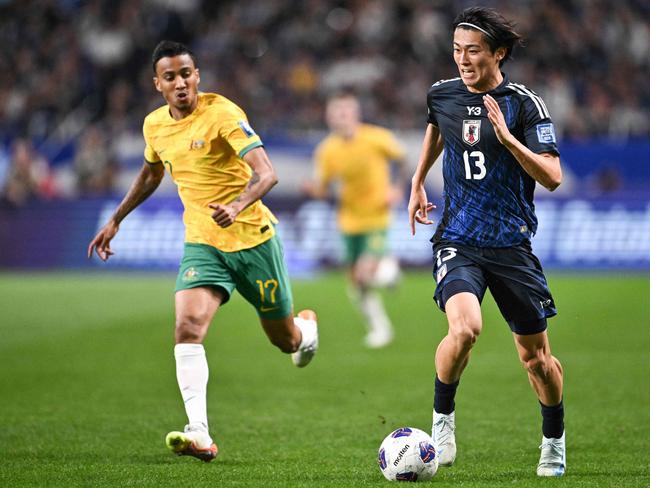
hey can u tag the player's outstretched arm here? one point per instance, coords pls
(263, 179)
(144, 185)
(314, 189)
(319, 186)
(418, 205)
(544, 168)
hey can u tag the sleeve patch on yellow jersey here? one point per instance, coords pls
(248, 130)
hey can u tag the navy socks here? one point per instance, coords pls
(553, 420)
(443, 400)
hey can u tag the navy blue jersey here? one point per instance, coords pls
(488, 195)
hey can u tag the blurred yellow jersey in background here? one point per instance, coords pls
(362, 165)
(203, 154)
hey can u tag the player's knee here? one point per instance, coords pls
(465, 337)
(361, 278)
(464, 331)
(537, 364)
(191, 327)
(364, 271)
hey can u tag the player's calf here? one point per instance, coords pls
(287, 343)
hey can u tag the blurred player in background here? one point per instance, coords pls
(222, 171)
(499, 141)
(358, 156)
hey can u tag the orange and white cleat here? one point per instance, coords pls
(193, 441)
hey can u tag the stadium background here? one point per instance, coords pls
(87, 377)
(77, 84)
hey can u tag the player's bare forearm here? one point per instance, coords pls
(316, 189)
(143, 186)
(262, 180)
(418, 206)
(544, 168)
(258, 186)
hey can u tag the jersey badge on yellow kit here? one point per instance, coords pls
(197, 144)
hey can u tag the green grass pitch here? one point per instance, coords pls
(89, 390)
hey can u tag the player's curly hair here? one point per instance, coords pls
(169, 49)
(497, 30)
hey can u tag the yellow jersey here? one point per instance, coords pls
(203, 154)
(362, 165)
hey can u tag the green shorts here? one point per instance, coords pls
(371, 243)
(258, 273)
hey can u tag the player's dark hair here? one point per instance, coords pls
(498, 32)
(169, 49)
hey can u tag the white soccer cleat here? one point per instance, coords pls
(306, 322)
(552, 461)
(193, 441)
(380, 330)
(378, 338)
(444, 437)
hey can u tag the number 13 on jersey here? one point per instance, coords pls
(474, 161)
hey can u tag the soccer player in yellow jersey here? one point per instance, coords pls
(222, 171)
(358, 157)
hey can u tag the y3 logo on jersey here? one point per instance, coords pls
(473, 111)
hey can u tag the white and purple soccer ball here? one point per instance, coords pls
(407, 454)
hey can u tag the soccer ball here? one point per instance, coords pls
(407, 454)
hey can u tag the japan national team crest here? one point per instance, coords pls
(471, 131)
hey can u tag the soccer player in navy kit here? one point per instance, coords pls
(498, 142)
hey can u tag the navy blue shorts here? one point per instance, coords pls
(513, 275)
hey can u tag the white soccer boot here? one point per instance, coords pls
(193, 441)
(378, 338)
(380, 329)
(444, 437)
(306, 322)
(552, 461)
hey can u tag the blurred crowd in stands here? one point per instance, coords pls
(74, 70)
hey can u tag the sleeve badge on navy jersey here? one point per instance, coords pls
(546, 133)
(471, 131)
(248, 130)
